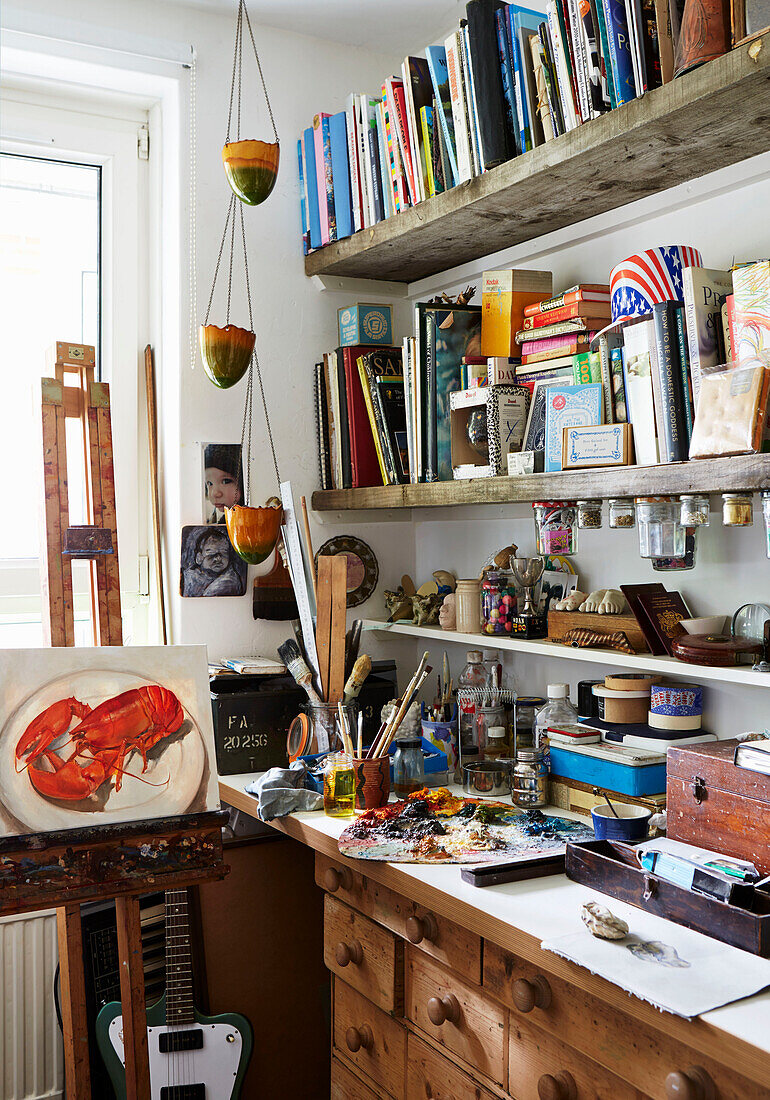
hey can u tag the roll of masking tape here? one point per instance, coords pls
(647, 278)
(667, 722)
(677, 700)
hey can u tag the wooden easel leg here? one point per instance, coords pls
(77, 1071)
(132, 998)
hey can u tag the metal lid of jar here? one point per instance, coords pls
(409, 743)
(529, 756)
(553, 503)
(624, 502)
(653, 500)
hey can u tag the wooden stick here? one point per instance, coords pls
(152, 432)
(360, 734)
(384, 748)
(339, 583)
(323, 627)
(309, 544)
(73, 1002)
(129, 931)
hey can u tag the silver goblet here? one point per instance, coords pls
(527, 572)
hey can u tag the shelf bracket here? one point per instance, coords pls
(370, 288)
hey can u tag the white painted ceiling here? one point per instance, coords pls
(382, 25)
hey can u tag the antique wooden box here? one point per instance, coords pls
(560, 622)
(612, 868)
(714, 804)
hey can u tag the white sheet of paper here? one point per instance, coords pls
(694, 973)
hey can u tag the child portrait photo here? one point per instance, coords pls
(209, 565)
(222, 479)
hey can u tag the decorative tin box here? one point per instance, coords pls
(365, 323)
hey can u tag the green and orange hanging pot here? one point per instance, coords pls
(226, 353)
(254, 531)
(251, 166)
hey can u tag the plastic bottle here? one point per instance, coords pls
(557, 711)
(474, 675)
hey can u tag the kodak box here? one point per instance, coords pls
(504, 294)
(365, 323)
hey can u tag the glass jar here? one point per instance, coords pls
(621, 511)
(472, 678)
(467, 607)
(558, 711)
(527, 707)
(686, 561)
(737, 509)
(498, 602)
(530, 780)
(766, 514)
(555, 526)
(325, 728)
(486, 718)
(339, 785)
(589, 514)
(660, 533)
(496, 743)
(694, 510)
(408, 767)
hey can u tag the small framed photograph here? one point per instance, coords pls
(556, 585)
(222, 479)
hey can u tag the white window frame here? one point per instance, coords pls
(87, 128)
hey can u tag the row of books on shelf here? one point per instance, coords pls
(390, 415)
(509, 79)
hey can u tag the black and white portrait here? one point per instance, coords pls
(209, 565)
(222, 479)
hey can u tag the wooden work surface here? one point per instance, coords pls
(711, 117)
(518, 916)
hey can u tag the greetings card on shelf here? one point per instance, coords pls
(568, 407)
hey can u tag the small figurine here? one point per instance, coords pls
(426, 609)
(447, 615)
(580, 638)
(446, 581)
(605, 601)
(571, 602)
(398, 604)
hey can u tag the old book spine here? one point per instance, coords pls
(672, 428)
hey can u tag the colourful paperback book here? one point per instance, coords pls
(311, 188)
(704, 292)
(323, 171)
(437, 65)
(568, 407)
(343, 209)
(303, 199)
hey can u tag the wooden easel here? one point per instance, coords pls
(119, 862)
(88, 402)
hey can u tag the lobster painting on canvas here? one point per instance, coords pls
(91, 736)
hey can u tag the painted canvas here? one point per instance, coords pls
(104, 735)
(209, 566)
(222, 479)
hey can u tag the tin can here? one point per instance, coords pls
(530, 780)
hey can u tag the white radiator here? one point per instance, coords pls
(30, 1041)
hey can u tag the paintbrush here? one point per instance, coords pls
(387, 741)
(355, 682)
(352, 644)
(401, 706)
(292, 658)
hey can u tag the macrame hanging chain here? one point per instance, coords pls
(237, 75)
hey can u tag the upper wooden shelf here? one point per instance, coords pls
(709, 475)
(713, 116)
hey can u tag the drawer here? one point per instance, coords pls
(540, 1067)
(371, 1040)
(346, 1086)
(626, 1046)
(430, 1076)
(438, 937)
(364, 955)
(457, 1015)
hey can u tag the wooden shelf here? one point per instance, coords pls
(713, 116)
(669, 666)
(709, 475)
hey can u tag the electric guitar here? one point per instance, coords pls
(192, 1057)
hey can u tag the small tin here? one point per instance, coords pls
(487, 777)
(530, 780)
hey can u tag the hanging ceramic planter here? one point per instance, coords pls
(251, 166)
(254, 531)
(226, 353)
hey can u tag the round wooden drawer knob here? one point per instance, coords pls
(694, 1084)
(346, 953)
(529, 995)
(336, 877)
(442, 1009)
(421, 928)
(359, 1037)
(558, 1086)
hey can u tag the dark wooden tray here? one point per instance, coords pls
(492, 874)
(612, 869)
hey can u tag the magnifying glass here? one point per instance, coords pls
(298, 737)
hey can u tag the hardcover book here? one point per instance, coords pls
(343, 207)
(459, 118)
(418, 93)
(566, 407)
(664, 612)
(638, 340)
(751, 305)
(504, 297)
(669, 410)
(554, 346)
(353, 162)
(594, 315)
(439, 74)
(584, 292)
(633, 593)
(454, 333)
(507, 73)
(311, 188)
(496, 139)
(323, 171)
(364, 466)
(303, 198)
(704, 291)
(471, 110)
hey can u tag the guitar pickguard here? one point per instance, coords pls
(214, 1065)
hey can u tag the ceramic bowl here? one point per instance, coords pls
(630, 824)
(707, 624)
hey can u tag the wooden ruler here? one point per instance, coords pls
(339, 606)
(324, 620)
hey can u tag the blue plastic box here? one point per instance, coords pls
(365, 323)
(641, 779)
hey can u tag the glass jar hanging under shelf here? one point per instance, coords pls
(621, 512)
(589, 514)
(694, 510)
(737, 509)
(660, 533)
(555, 526)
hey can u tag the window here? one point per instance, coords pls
(73, 253)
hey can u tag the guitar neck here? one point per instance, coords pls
(179, 983)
